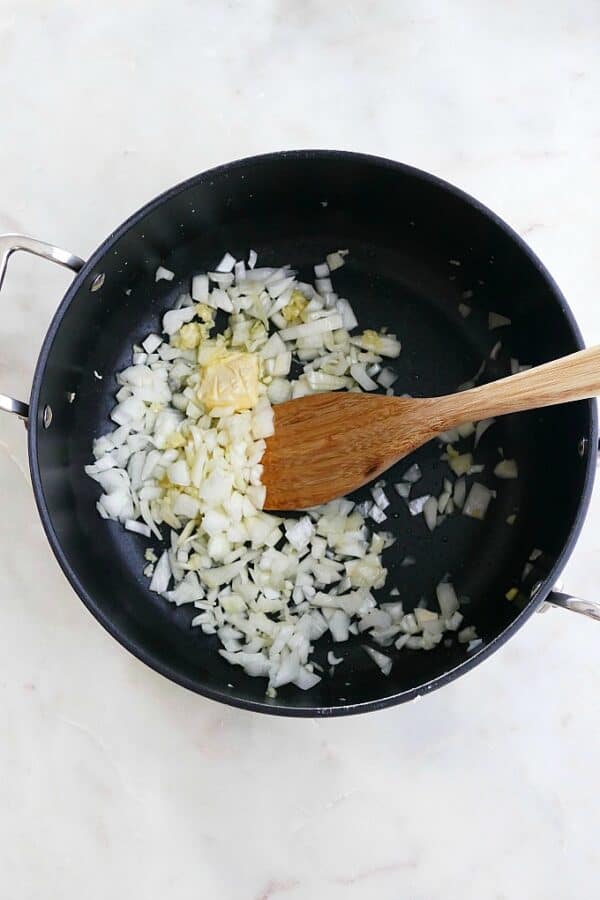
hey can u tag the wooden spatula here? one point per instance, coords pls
(326, 445)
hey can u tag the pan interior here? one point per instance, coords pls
(417, 250)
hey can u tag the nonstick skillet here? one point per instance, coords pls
(418, 248)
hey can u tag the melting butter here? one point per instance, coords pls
(230, 380)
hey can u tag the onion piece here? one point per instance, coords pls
(379, 496)
(495, 350)
(506, 468)
(447, 599)
(477, 502)
(461, 464)
(413, 474)
(200, 288)
(387, 377)
(403, 489)
(138, 527)
(152, 343)
(430, 513)
(417, 505)
(227, 263)
(383, 662)
(349, 320)
(311, 329)
(359, 374)
(335, 260)
(496, 320)
(377, 514)
(163, 274)
(162, 574)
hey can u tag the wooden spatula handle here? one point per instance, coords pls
(574, 377)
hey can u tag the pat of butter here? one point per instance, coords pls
(230, 379)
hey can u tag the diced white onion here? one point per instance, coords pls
(138, 527)
(417, 505)
(227, 263)
(266, 587)
(387, 377)
(383, 662)
(430, 512)
(506, 468)
(495, 320)
(477, 502)
(413, 474)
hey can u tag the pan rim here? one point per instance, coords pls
(150, 659)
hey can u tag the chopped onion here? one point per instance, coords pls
(464, 310)
(460, 492)
(413, 474)
(300, 533)
(467, 634)
(359, 374)
(227, 263)
(495, 320)
(164, 274)
(477, 501)
(377, 514)
(461, 464)
(447, 599)
(430, 511)
(417, 505)
(507, 468)
(496, 350)
(138, 527)
(162, 575)
(335, 260)
(175, 318)
(200, 288)
(152, 343)
(266, 587)
(349, 320)
(320, 326)
(383, 662)
(379, 496)
(387, 377)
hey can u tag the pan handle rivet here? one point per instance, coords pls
(47, 416)
(98, 282)
(582, 447)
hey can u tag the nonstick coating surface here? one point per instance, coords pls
(416, 246)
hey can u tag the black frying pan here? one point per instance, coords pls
(403, 228)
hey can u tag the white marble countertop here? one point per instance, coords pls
(115, 782)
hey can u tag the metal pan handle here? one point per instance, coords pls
(590, 608)
(556, 597)
(9, 243)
